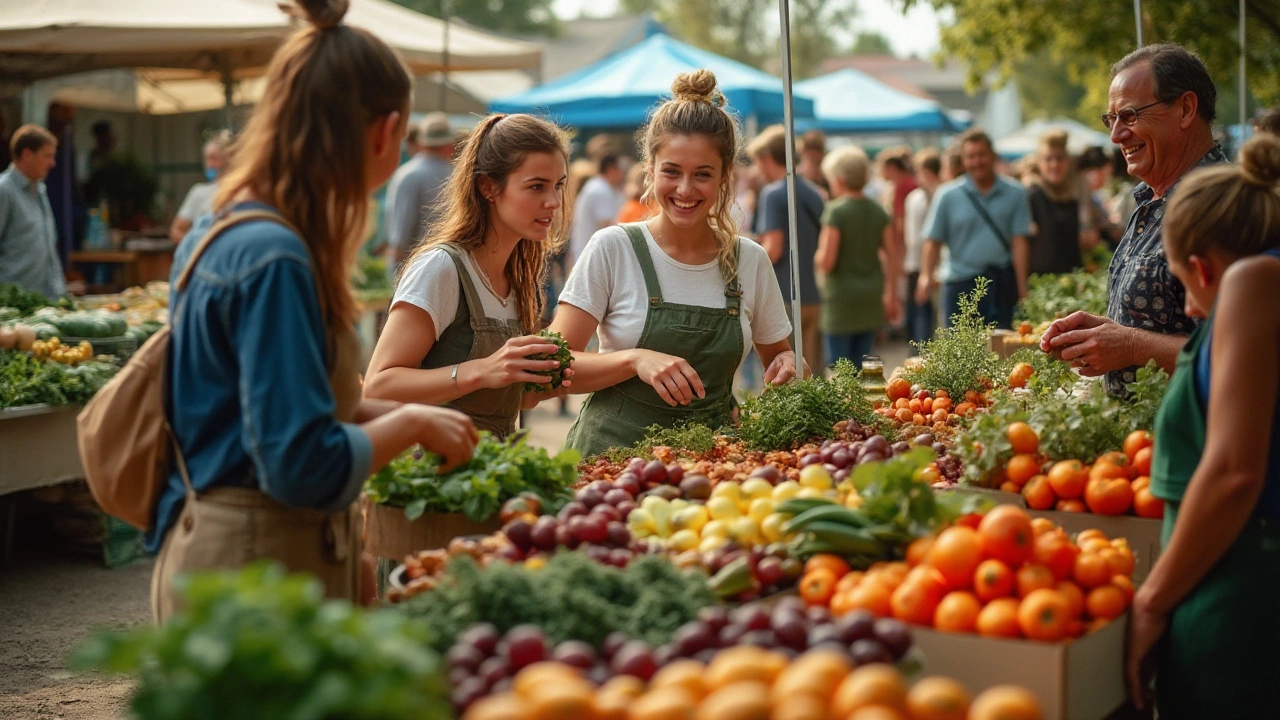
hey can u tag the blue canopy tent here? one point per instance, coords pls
(619, 91)
(848, 101)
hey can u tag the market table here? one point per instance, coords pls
(37, 449)
(138, 267)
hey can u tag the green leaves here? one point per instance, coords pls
(1050, 297)
(786, 416)
(25, 380)
(690, 440)
(892, 494)
(959, 357)
(563, 354)
(259, 643)
(497, 472)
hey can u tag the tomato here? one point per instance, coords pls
(1106, 602)
(956, 554)
(1055, 551)
(957, 612)
(834, 563)
(1147, 505)
(999, 619)
(897, 389)
(1039, 494)
(1032, 577)
(1068, 478)
(993, 579)
(817, 587)
(915, 601)
(1074, 596)
(1137, 440)
(1091, 570)
(1076, 506)
(1022, 437)
(918, 550)
(1142, 461)
(1108, 496)
(1044, 615)
(1006, 534)
(1021, 468)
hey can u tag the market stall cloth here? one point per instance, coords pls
(848, 101)
(621, 90)
(1026, 139)
(221, 38)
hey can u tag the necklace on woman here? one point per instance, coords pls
(484, 279)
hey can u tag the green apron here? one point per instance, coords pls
(709, 339)
(473, 336)
(1219, 658)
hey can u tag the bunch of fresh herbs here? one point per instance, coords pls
(261, 644)
(786, 416)
(959, 357)
(1050, 297)
(688, 440)
(497, 472)
(27, 380)
(25, 301)
(894, 494)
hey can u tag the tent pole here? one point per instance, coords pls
(446, 10)
(228, 93)
(1244, 86)
(789, 122)
(1137, 19)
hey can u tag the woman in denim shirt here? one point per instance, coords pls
(264, 387)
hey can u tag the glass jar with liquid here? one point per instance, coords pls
(872, 375)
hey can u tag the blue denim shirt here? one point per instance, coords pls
(249, 387)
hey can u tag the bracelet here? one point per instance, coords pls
(454, 377)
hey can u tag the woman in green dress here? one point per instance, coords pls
(1203, 621)
(678, 299)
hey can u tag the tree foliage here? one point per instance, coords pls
(513, 17)
(1087, 36)
(871, 42)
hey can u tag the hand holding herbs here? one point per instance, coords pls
(260, 644)
(562, 354)
(497, 472)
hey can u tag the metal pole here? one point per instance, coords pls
(788, 120)
(444, 75)
(1244, 86)
(1137, 19)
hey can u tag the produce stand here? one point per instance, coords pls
(1143, 534)
(135, 267)
(37, 449)
(390, 535)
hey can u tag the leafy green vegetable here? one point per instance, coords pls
(24, 301)
(497, 472)
(1053, 296)
(893, 494)
(260, 644)
(1050, 376)
(572, 597)
(691, 440)
(25, 380)
(563, 354)
(959, 357)
(786, 416)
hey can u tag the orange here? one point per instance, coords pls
(1021, 372)
(942, 402)
(1108, 496)
(1006, 535)
(875, 684)
(687, 674)
(926, 406)
(1055, 551)
(901, 404)
(1094, 545)
(918, 550)
(1120, 561)
(915, 406)
(849, 581)
(965, 409)
(956, 555)
(1043, 615)
(939, 415)
(1105, 601)
(1109, 466)
(941, 393)
(1084, 535)
(1075, 506)
(1039, 494)
(1126, 585)
(1041, 525)
(841, 603)
(1147, 505)
(800, 707)
(917, 419)
(1023, 438)
(958, 612)
(1021, 468)
(1091, 570)
(1074, 596)
(834, 563)
(1068, 478)
(504, 706)
(999, 619)
(1009, 487)
(743, 663)
(817, 586)
(937, 698)
(893, 573)
(1137, 440)
(993, 579)
(914, 601)
(672, 703)
(1032, 577)
(745, 700)
(561, 700)
(818, 673)
(1006, 702)
(897, 389)
(877, 712)
(1142, 461)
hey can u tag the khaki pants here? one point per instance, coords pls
(232, 527)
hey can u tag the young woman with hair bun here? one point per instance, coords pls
(274, 439)
(470, 296)
(679, 299)
(1202, 620)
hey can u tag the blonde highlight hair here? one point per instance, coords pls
(494, 149)
(697, 109)
(849, 164)
(303, 149)
(1233, 208)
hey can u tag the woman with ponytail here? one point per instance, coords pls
(678, 300)
(273, 439)
(1202, 621)
(470, 295)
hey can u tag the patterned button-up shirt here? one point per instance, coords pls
(28, 238)
(1143, 293)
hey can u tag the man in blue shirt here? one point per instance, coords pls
(984, 220)
(28, 235)
(415, 188)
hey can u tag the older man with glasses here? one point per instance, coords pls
(1160, 112)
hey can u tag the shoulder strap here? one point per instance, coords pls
(733, 290)
(641, 246)
(977, 205)
(232, 219)
(474, 305)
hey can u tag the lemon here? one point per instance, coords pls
(745, 531)
(816, 476)
(712, 543)
(785, 490)
(716, 529)
(729, 490)
(723, 508)
(771, 527)
(641, 523)
(761, 508)
(693, 517)
(683, 540)
(754, 488)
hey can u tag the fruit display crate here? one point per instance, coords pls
(1143, 534)
(389, 534)
(1078, 680)
(998, 497)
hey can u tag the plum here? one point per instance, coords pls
(576, 654)
(634, 658)
(520, 533)
(524, 645)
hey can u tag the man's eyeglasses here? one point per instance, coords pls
(1128, 116)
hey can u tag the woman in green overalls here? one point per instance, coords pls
(1204, 621)
(679, 299)
(470, 295)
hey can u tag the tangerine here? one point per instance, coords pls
(1022, 437)
(872, 596)
(1006, 702)
(1021, 468)
(999, 618)
(836, 564)
(897, 389)
(956, 554)
(1006, 534)
(1055, 551)
(875, 684)
(914, 601)
(1108, 495)
(937, 698)
(1032, 577)
(958, 612)
(1039, 494)
(1106, 602)
(1068, 478)
(1044, 614)
(918, 550)
(993, 579)
(1091, 570)
(1074, 596)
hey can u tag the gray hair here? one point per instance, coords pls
(1175, 70)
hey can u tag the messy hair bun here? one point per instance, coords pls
(323, 14)
(697, 86)
(1260, 160)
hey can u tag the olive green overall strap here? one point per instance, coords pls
(474, 306)
(641, 247)
(733, 290)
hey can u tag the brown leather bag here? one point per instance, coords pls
(127, 446)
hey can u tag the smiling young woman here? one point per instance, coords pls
(470, 295)
(679, 299)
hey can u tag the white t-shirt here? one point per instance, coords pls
(597, 206)
(608, 283)
(431, 283)
(916, 209)
(199, 201)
